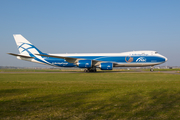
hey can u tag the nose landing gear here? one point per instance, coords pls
(152, 69)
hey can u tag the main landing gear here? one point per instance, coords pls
(90, 70)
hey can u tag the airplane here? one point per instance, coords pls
(88, 61)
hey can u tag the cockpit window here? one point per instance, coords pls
(156, 52)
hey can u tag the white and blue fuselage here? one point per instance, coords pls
(89, 61)
(126, 59)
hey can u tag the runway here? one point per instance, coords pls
(167, 72)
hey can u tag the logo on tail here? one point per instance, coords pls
(27, 49)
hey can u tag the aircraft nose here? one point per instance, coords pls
(165, 59)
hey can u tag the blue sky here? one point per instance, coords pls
(94, 26)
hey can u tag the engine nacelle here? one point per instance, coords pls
(106, 66)
(84, 63)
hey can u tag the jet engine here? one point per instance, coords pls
(84, 63)
(106, 66)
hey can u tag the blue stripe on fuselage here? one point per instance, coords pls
(118, 59)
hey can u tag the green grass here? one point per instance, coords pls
(83, 96)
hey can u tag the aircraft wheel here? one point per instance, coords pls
(93, 70)
(89, 70)
(86, 70)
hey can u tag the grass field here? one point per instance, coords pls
(84, 96)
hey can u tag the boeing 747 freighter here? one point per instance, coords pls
(88, 61)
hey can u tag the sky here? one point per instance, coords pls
(90, 26)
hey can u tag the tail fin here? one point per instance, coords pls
(25, 47)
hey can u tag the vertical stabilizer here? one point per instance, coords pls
(25, 47)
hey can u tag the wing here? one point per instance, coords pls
(68, 59)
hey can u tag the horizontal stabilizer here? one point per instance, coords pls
(20, 55)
